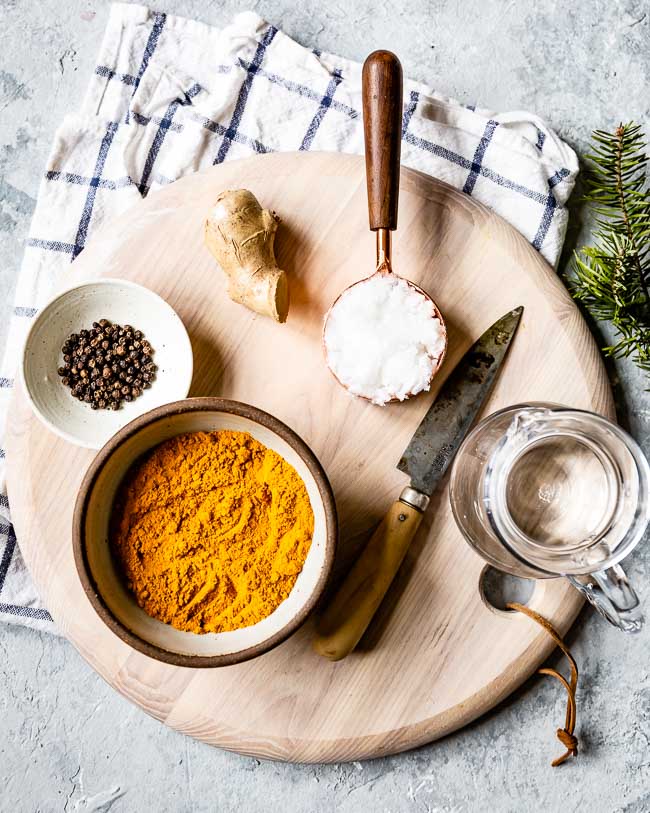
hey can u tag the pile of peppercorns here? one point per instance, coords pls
(107, 364)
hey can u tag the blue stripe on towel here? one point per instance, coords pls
(8, 552)
(549, 208)
(409, 111)
(35, 613)
(109, 73)
(244, 91)
(163, 128)
(323, 107)
(479, 153)
(50, 245)
(86, 214)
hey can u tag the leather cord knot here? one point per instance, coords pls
(569, 741)
(565, 735)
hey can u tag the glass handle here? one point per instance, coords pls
(611, 594)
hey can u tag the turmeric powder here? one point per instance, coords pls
(211, 530)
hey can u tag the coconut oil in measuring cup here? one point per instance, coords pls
(540, 490)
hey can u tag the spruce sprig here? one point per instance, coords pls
(612, 277)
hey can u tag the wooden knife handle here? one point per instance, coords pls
(350, 611)
(382, 127)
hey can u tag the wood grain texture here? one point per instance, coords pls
(435, 656)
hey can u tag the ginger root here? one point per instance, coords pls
(240, 236)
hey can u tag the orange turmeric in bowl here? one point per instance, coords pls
(211, 530)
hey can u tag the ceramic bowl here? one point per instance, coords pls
(77, 308)
(114, 603)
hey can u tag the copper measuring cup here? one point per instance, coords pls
(382, 120)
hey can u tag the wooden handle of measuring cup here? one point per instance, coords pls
(348, 614)
(382, 127)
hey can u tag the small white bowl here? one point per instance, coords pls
(124, 303)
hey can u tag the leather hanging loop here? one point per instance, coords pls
(565, 735)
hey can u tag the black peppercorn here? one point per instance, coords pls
(106, 364)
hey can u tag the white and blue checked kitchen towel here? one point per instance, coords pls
(171, 96)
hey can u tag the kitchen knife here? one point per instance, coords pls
(425, 460)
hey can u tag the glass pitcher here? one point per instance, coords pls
(540, 490)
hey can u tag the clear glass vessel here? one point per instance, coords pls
(540, 490)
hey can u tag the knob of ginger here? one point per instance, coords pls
(240, 236)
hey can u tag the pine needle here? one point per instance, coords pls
(612, 277)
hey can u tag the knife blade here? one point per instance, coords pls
(441, 431)
(425, 460)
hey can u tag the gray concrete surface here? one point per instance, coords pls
(67, 741)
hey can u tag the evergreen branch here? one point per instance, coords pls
(611, 278)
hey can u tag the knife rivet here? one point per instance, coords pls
(402, 518)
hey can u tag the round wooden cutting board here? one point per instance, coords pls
(437, 655)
